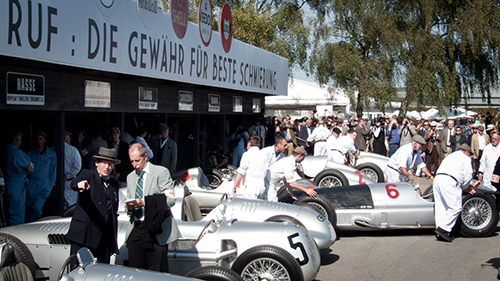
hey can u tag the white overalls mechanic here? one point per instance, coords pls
(253, 168)
(319, 136)
(284, 171)
(488, 161)
(454, 173)
(343, 145)
(402, 161)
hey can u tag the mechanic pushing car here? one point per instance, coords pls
(402, 161)
(283, 170)
(454, 173)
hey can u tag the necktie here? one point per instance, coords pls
(138, 195)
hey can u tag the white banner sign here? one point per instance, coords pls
(134, 38)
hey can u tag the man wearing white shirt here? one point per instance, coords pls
(284, 171)
(275, 152)
(488, 161)
(343, 145)
(454, 174)
(402, 161)
(253, 168)
(330, 142)
(72, 166)
(319, 137)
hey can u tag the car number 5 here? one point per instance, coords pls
(300, 246)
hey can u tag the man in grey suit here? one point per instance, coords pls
(164, 149)
(447, 133)
(148, 180)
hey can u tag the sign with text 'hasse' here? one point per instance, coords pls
(25, 89)
(136, 38)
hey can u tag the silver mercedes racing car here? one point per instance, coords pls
(384, 206)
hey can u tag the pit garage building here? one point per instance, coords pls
(90, 65)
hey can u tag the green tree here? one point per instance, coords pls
(354, 48)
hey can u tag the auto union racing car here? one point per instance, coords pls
(255, 250)
(384, 206)
(367, 170)
(208, 197)
(89, 270)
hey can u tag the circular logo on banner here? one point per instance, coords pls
(179, 15)
(226, 27)
(108, 7)
(205, 21)
(147, 11)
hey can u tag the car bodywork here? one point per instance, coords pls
(205, 242)
(384, 206)
(250, 210)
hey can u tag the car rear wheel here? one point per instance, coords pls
(22, 253)
(371, 170)
(329, 178)
(479, 216)
(319, 204)
(268, 263)
(214, 177)
(214, 273)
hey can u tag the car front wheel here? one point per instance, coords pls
(479, 216)
(214, 273)
(329, 178)
(268, 263)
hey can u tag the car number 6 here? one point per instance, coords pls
(392, 192)
(300, 246)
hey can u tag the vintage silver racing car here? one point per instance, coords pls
(255, 250)
(367, 170)
(208, 197)
(89, 270)
(385, 206)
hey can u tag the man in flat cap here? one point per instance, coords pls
(401, 162)
(454, 174)
(15, 164)
(94, 222)
(43, 177)
(284, 171)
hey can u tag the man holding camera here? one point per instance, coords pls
(406, 132)
(290, 131)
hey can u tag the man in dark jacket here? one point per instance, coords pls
(94, 223)
(121, 147)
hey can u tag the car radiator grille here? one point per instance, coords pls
(58, 239)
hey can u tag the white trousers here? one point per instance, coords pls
(320, 148)
(448, 202)
(255, 188)
(392, 175)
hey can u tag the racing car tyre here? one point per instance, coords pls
(214, 273)
(330, 177)
(48, 218)
(15, 272)
(370, 170)
(214, 177)
(251, 262)
(428, 193)
(283, 218)
(479, 216)
(320, 202)
(22, 253)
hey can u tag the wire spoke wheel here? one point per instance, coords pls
(476, 213)
(370, 173)
(265, 269)
(329, 181)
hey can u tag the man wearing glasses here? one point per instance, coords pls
(488, 161)
(457, 139)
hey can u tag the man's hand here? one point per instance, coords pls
(31, 167)
(83, 185)
(138, 203)
(480, 176)
(312, 193)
